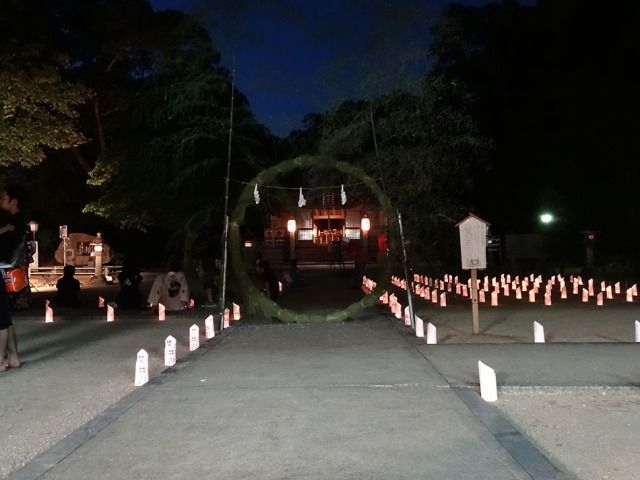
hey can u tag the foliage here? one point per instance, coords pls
(39, 108)
(255, 302)
(555, 97)
(156, 124)
(425, 159)
(166, 162)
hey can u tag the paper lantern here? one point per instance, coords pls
(194, 337)
(48, 312)
(170, 351)
(209, 329)
(432, 334)
(419, 327)
(226, 318)
(142, 368)
(494, 299)
(538, 333)
(488, 383)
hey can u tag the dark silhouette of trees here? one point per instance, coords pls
(553, 85)
(426, 158)
(137, 100)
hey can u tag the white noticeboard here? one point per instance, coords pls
(473, 243)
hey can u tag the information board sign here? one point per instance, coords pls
(473, 242)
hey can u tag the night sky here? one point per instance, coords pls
(293, 57)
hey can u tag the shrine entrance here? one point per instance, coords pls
(319, 226)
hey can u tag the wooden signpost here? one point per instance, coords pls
(473, 253)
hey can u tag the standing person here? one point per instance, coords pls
(337, 258)
(129, 279)
(12, 201)
(356, 250)
(269, 281)
(294, 277)
(210, 280)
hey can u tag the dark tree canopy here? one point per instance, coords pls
(555, 86)
(426, 158)
(136, 98)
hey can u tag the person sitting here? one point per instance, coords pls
(171, 290)
(129, 279)
(68, 288)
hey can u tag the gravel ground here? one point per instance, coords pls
(590, 434)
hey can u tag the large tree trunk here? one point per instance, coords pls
(96, 112)
(79, 157)
(189, 260)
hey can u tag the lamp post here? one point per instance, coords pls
(365, 226)
(33, 227)
(63, 236)
(291, 228)
(96, 252)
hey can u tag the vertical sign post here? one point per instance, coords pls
(64, 234)
(473, 253)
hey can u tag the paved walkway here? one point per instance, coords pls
(353, 400)
(361, 399)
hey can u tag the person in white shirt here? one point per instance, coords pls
(171, 290)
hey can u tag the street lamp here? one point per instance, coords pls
(365, 226)
(291, 228)
(33, 227)
(96, 253)
(547, 218)
(64, 234)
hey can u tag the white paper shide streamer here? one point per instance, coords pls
(256, 195)
(301, 200)
(343, 195)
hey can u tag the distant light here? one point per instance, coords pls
(365, 224)
(547, 218)
(248, 244)
(291, 225)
